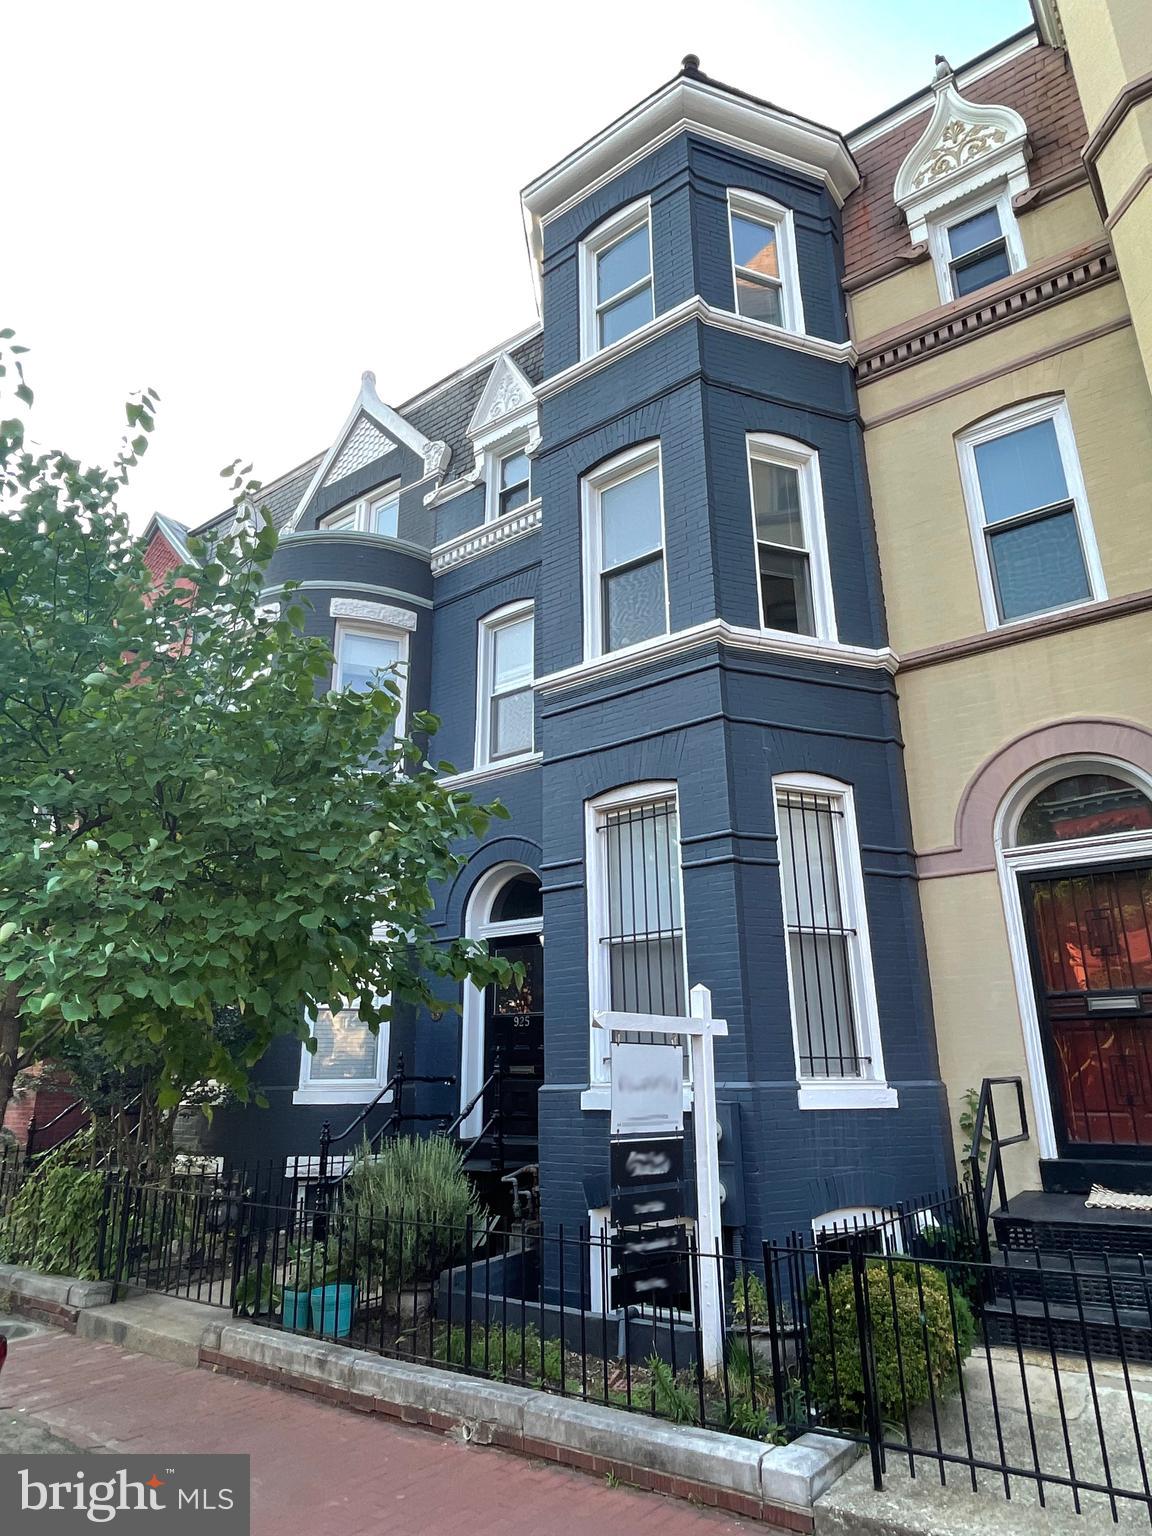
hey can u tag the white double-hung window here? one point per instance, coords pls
(831, 985)
(369, 514)
(616, 278)
(350, 1060)
(625, 584)
(792, 572)
(764, 272)
(505, 670)
(1032, 532)
(635, 908)
(368, 655)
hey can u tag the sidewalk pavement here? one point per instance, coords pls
(314, 1468)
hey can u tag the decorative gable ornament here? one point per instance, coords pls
(371, 431)
(363, 444)
(966, 146)
(505, 413)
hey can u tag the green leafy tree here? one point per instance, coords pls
(188, 818)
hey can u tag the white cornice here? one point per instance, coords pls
(696, 309)
(799, 647)
(691, 105)
(478, 541)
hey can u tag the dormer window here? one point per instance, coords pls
(977, 252)
(617, 269)
(956, 185)
(384, 515)
(764, 273)
(975, 245)
(369, 514)
(514, 488)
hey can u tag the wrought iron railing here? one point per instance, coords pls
(985, 1181)
(391, 1127)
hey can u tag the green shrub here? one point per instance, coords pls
(53, 1223)
(405, 1209)
(928, 1360)
(750, 1299)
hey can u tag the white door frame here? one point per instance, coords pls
(1013, 862)
(478, 924)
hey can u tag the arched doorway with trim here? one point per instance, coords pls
(1074, 854)
(505, 908)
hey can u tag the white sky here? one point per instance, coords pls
(245, 205)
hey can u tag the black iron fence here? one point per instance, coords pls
(1027, 1376)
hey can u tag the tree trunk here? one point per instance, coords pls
(9, 1046)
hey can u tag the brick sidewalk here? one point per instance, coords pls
(323, 1470)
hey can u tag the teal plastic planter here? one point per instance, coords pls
(332, 1308)
(297, 1309)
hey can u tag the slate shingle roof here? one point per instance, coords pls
(441, 416)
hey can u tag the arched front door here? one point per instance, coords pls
(1088, 917)
(505, 1025)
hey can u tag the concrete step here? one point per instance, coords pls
(1070, 1330)
(1064, 1224)
(165, 1326)
(1093, 1280)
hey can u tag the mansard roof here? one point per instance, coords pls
(1028, 76)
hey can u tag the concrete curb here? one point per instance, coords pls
(776, 1484)
(56, 1299)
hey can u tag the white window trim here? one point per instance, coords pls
(359, 1091)
(614, 228)
(765, 211)
(633, 461)
(377, 632)
(1055, 409)
(771, 449)
(873, 1091)
(938, 225)
(511, 613)
(362, 511)
(847, 1220)
(596, 889)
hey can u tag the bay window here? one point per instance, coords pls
(625, 594)
(616, 279)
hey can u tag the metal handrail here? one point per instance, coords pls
(983, 1183)
(495, 1079)
(35, 1129)
(449, 1128)
(397, 1117)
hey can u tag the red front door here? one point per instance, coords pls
(1091, 940)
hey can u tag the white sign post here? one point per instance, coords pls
(701, 1029)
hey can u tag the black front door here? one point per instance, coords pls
(514, 1022)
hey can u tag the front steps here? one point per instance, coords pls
(1071, 1280)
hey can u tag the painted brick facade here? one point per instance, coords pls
(716, 715)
